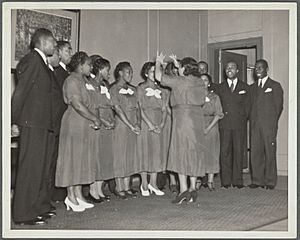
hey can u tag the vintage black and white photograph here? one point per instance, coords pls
(149, 120)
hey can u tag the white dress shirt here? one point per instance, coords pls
(234, 82)
(63, 65)
(263, 80)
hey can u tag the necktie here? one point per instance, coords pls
(232, 86)
(260, 83)
(151, 92)
(126, 91)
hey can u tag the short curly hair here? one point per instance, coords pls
(120, 67)
(145, 69)
(99, 64)
(77, 59)
(190, 66)
(208, 77)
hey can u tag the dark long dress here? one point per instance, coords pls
(154, 147)
(187, 147)
(105, 163)
(211, 108)
(78, 144)
(125, 150)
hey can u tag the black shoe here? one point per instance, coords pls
(106, 198)
(35, 221)
(133, 191)
(91, 199)
(270, 187)
(46, 215)
(120, 195)
(185, 196)
(130, 194)
(238, 186)
(225, 186)
(255, 186)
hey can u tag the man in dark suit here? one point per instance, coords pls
(267, 105)
(32, 114)
(235, 99)
(60, 73)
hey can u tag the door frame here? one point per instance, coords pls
(212, 48)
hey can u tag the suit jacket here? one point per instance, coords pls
(61, 75)
(32, 98)
(58, 104)
(236, 105)
(214, 87)
(267, 105)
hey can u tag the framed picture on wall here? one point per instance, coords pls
(64, 24)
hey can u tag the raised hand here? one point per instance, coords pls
(160, 58)
(174, 58)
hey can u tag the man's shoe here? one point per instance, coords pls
(35, 221)
(225, 186)
(270, 187)
(47, 215)
(238, 186)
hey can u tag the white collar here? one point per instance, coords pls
(51, 67)
(234, 81)
(42, 55)
(63, 65)
(263, 80)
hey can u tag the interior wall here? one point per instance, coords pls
(273, 26)
(136, 35)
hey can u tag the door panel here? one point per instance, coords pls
(239, 59)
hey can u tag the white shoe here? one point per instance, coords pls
(74, 207)
(84, 204)
(145, 193)
(156, 191)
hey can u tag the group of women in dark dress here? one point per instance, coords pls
(168, 122)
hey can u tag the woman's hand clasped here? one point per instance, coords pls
(96, 124)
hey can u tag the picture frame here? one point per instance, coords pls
(63, 23)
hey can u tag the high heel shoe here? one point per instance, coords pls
(130, 194)
(156, 191)
(211, 186)
(84, 204)
(94, 200)
(193, 196)
(144, 193)
(119, 195)
(185, 196)
(74, 207)
(105, 198)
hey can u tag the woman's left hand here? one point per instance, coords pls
(160, 58)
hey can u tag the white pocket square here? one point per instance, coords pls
(268, 90)
(207, 99)
(242, 92)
